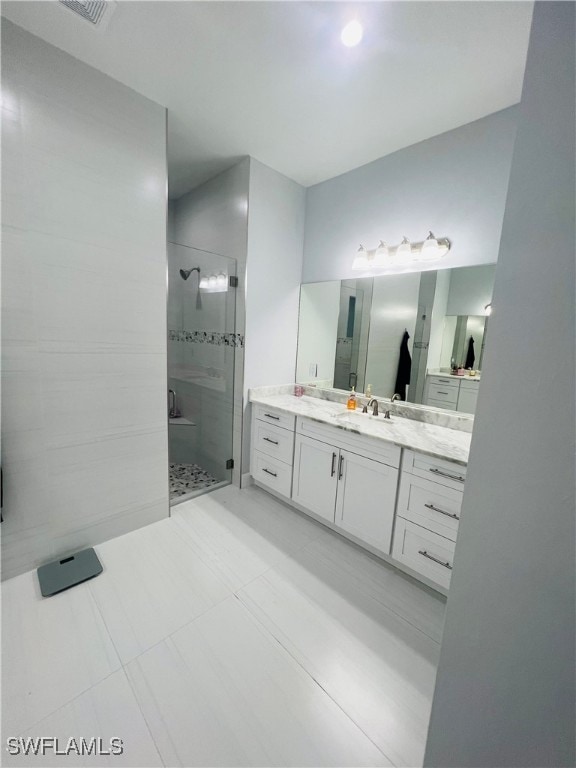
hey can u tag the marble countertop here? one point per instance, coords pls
(430, 439)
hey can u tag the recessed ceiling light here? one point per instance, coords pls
(352, 34)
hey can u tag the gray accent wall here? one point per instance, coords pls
(84, 449)
(505, 688)
(454, 184)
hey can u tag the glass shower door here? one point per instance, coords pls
(201, 350)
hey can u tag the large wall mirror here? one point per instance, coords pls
(398, 334)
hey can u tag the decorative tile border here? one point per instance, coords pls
(208, 337)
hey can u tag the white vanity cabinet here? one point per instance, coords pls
(272, 449)
(348, 480)
(452, 393)
(428, 514)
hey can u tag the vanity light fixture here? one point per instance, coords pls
(381, 256)
(433, 249)
(488, 309)
(406, 253)
(362, 259)
(403, 252)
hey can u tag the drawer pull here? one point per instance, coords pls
(269, 416)
(270, 473)
(340, 466)
(274, 442)
(442, 511)
(431, 557)
(333, 470)
(444, 381)
(442, 393)
(459, 478)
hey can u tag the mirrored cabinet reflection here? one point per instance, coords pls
(421, 335)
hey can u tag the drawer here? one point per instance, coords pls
(369, 447)
(441, 404)
(438, 470)
(273, 441)
(443, 381)
(430, 505)
(423, 551)
(471, 384)
(272, 473)
(443, 392)
(272, 416)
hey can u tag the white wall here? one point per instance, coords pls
(454, 184)
(84, 251)
(317, 330)
(394, 309)
(214, 217)
(505, 686)
(274, 271)
(470, 290)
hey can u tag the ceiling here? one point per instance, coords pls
(272, 79)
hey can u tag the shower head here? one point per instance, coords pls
(185, 273)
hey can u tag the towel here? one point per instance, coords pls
(470, 354)
(404, 368)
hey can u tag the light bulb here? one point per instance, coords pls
(361, 259)
(429, 250)
(203, 282)
(381, 255)
(403, 251)
(352, 34)
(221, 281)
(212, 282)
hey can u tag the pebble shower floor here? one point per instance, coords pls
(187, 478)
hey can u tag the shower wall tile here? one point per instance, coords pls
(84, 448)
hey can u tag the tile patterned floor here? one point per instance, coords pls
(235, 633)
(187, 478)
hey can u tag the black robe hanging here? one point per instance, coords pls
(470, 354)
(404, 368)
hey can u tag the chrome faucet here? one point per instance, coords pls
(373, 402)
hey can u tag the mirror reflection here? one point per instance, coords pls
(421, 335)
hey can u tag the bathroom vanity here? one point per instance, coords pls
(393, 486)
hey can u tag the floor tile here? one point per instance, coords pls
(153, 583)
(379, 668)
(53, 649)
(243, 533)
(414, 602)
(221, 692)
(108, 710)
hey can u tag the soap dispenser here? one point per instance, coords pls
(368, 392)
(351, 404)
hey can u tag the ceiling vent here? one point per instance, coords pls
(90, 10)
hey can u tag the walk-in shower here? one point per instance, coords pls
(201, 349)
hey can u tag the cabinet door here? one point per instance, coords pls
(315, 476)
(467, 400)
(366, 499)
